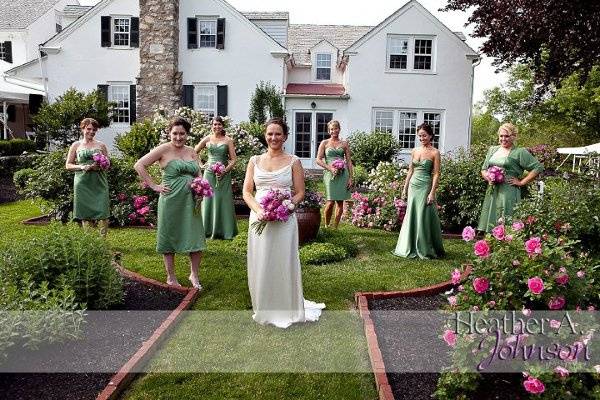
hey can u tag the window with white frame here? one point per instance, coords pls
(208, 32)
(323, 67)
(423, 53)
(403, 124)
(121, 28)
(3, 52)
(119, 94)
(397, 52)
(205, 99)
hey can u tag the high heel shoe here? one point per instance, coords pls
(195, 283)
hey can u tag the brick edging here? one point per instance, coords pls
(125, 375)
(381, 380)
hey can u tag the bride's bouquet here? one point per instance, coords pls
(277, 206)
(496, 174)
(338, 165)
(218, 169)
(101, 161)
(200, 189)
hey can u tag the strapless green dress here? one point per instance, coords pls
(218, 212)
(336, 187)
(180, 230)
(421, 232)
(90, 190)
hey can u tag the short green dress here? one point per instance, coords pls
(180, 229)
(336, 187)
(90, 189)
(421, 232)
(501, 199)
(218, 212)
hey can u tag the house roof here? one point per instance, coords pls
(303, 37)
(75, 11)
(316, 89)
(19, 14)
(278, 15)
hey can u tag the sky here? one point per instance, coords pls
(372, 12)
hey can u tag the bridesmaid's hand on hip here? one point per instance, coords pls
(163, 189)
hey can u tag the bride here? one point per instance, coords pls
(274, 276)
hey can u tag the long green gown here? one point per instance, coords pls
(421, 232)
(336, 187)
(180, 229)
(501, 199)
(90, 189)
(218, 212)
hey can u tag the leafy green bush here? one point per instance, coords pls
(360, 175)
(368, 149)
(339, 239)
(10, 164)
(16, 147)
(68, 254)
(143, 137)
(321, 253)
(266, 102)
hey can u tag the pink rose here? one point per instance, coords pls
(516, 263)
(518, 225)
(144, 210)
(132, 216)
(468, 234)
(449, 337)
(481, 285)
(533, 246)
(534, 385)
(509, 238)
(556, 303)
(452, 300)
(461, 288)
(535, 285)
(562, 279)
(526, 312)
(482, 249)
(580, 274)
(498, 232)
(455, 276)
(562, 372)
(492, 303)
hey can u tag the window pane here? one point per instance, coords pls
(397, 61)
(205, 99)
(434, 120)
(407, 129)
(120, 96)
(208, 33)
(422, 62)
(324, 73)
(303, 126)
(324, 60)
(2, 52)
(384, 121)
(422, 46)
(423, 53)
(121, 31)
(398, 46)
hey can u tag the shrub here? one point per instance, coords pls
(16, 147)
(265, 103)
(339, 239)
(360, 175)
(368, 149)
(321, 253)
(143, 137)
(10, 164)
(68, 254)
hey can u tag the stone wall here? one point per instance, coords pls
(159, 83)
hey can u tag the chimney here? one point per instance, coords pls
(159, 83)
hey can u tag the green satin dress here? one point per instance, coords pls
(218, 212)
(501, 199)
(421, 232)
(336, 187)
(90, 190)
(180, 229)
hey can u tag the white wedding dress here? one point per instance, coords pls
(274, 275)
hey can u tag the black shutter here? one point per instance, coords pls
(132, 105)
(105, 31)
(192, 31)
(220, 33)
(8, 52)
(134, 35)
(222, 100)
(35, 102)
(103, 90)
(11, 113)
(188, 96)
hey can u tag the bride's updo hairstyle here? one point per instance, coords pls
(280, 122)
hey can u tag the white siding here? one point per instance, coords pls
(277, 29)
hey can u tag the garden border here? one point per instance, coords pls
(125, 375)
(361, 298)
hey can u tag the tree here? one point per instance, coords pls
(59, 121)
(557, 38)
(265, 103)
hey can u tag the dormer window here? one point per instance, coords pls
(323, 70)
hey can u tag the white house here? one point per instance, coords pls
(407, 70)
(24, 25)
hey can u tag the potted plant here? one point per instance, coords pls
(309, 215)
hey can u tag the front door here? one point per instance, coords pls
(310, 129)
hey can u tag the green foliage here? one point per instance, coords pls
(484, 128)
(360, 175)
(143, 137)
(339, 239)
(10, 164)
(265, 103)
(16, 147)
(368, 149)
(59, 121)
(321, 253)
(67, 254)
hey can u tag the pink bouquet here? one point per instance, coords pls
(101, 161)
(218, 169)
(338, 165)
(496, 174)
(200, 189)
(277, 206)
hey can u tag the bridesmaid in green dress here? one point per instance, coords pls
(337, 185)
(500, 199)
(180, 229)
(421, 232)
(218, 212)
(90, 186)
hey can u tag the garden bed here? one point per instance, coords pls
(104, 347)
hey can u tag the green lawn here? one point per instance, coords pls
(217, 352)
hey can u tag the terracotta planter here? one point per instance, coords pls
(309, 220)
